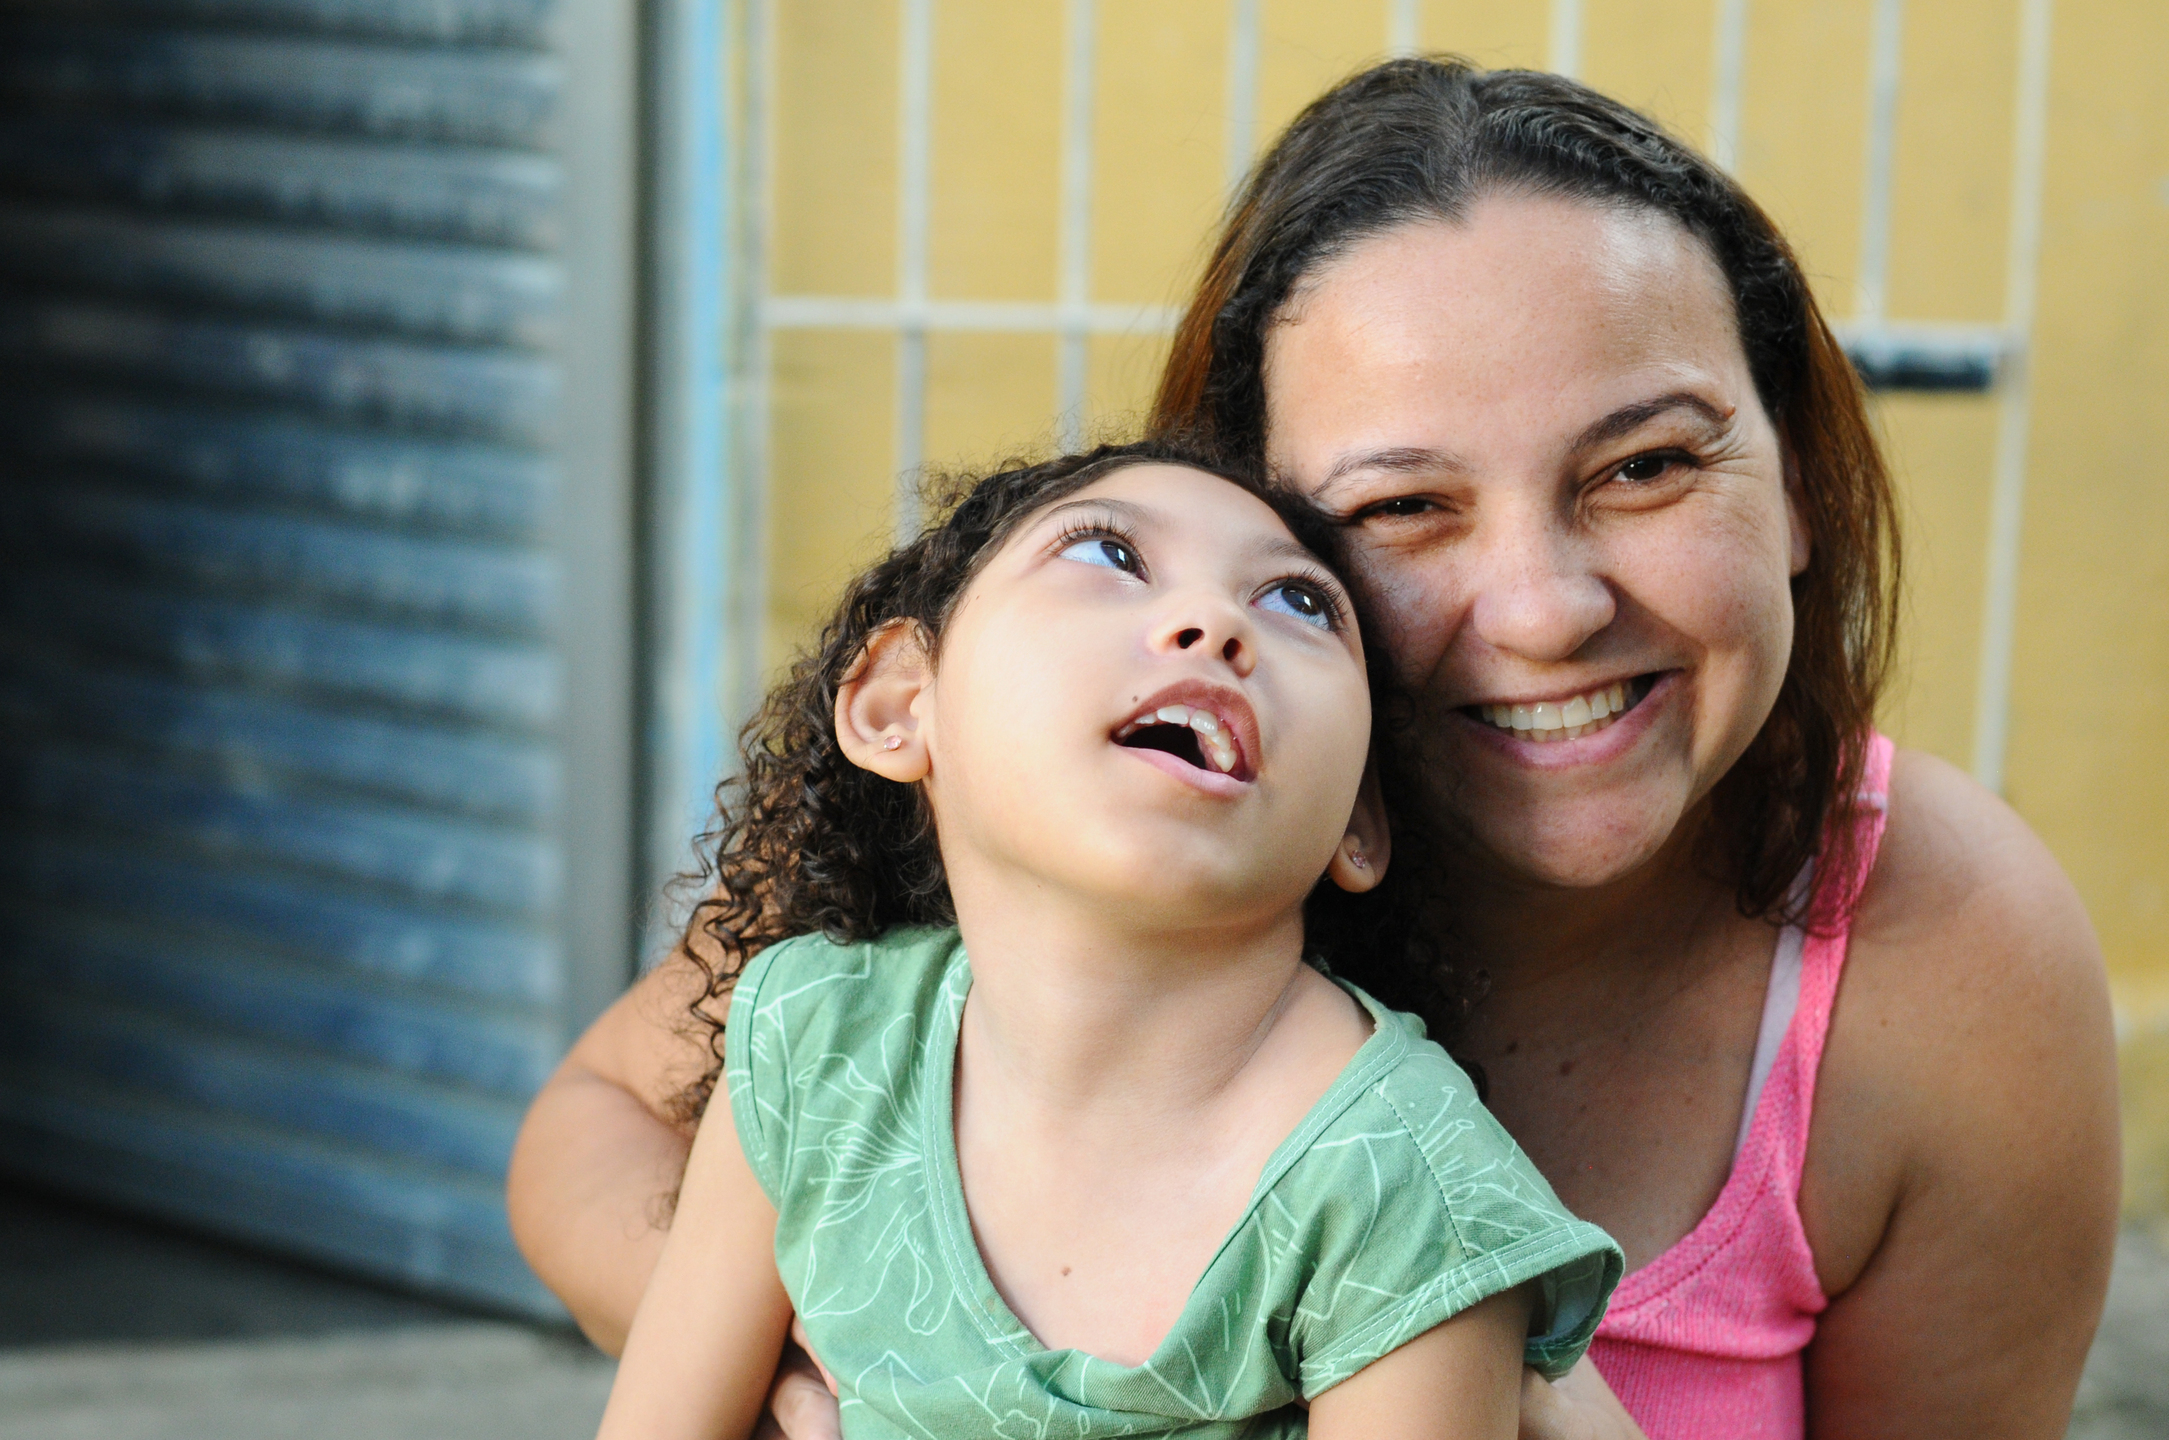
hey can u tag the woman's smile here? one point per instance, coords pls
(1547, 741)
(1546, 722)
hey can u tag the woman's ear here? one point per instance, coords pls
(877, 707)
(1360, 861)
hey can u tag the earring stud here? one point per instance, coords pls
(894, 742)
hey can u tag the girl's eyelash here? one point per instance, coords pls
(1109, 527)
(1102, 527)
(1085, 529)
(1328, 589)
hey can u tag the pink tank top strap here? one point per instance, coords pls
(1822, 960)
(1704, 1342)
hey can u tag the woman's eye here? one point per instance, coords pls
(1405, 506)
(1104, 550)
(1644, 468)
(1301, 601)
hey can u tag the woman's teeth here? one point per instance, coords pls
(1551, 720)
(1213, 740)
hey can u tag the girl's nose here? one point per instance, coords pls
(1208, 627)
(1537, 598)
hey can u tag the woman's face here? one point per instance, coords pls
(1564, 494)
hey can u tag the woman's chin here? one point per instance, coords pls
(1576, 847)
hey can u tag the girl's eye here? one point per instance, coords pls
(1104, 550)
(1303, 602)
(1399, 509)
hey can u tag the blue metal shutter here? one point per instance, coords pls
(316, 620)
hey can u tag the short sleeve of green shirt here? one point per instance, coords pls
(1397, 1203)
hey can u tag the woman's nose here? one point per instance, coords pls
(1536, 598)
(1207, 627)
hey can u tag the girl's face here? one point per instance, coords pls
(1151, 697)
(1565, 495)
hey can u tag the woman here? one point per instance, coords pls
(1819, 1034)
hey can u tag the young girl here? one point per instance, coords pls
(1044, 1115)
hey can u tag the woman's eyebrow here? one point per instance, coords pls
(1399, 460)
(1629, 418)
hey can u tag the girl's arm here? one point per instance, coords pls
(596, 1161)
(710, 1329)
(1458, 1381)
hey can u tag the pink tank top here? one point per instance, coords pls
(1704, 1342)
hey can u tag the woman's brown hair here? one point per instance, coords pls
(1423, 139)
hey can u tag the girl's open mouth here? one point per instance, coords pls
(1570, 718)
(1192, 733)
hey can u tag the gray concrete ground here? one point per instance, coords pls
(111, 1329)
(114, 1330)
(2125, 1393)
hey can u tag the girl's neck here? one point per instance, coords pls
(1082, 1013)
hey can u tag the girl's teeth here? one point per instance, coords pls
(1214, 742)
(1547, 721)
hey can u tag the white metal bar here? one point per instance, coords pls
(2006, 510)
(1728, 83)
(1080, 77)
(1885, 78)
(1404, 26)
(1242, 120)
(1565, 42)
(1016, 317)
(915, 106)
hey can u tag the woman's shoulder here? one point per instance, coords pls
(1966, 917)
(1973, 1003)
(1954, 852)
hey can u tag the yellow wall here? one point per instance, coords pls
(2090, 661)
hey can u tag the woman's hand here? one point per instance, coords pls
(802, 1402)
(1576, 1406)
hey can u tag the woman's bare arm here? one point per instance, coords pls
(1576, 1406)
(596, 1160)
(1970, 1082)
(708, 1332)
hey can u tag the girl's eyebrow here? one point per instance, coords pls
(1102, 505)
(1278, 547)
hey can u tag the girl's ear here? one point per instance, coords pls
(877, 708)
(1360, 862)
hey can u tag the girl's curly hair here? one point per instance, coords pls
(804, 840)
